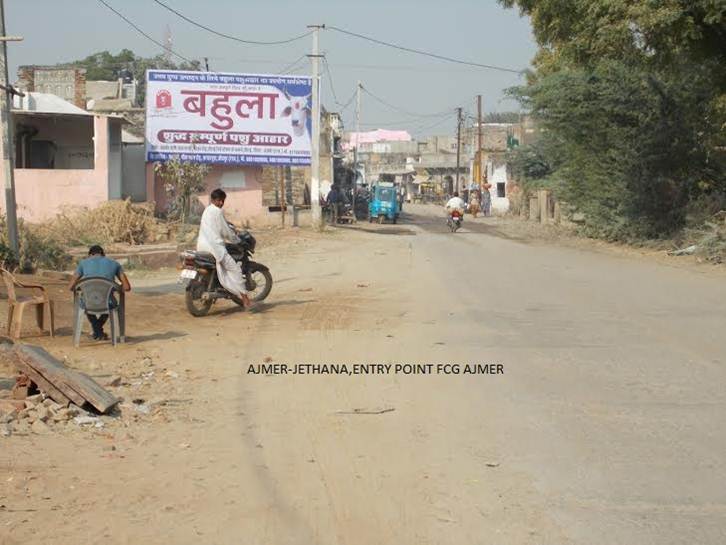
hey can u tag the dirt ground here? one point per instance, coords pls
(600, 431)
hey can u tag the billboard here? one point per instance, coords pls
(243, 119)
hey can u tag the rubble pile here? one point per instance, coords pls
(40, 415)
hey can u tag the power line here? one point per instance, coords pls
(330, 80)
(144, 34)
(396, 108)
(348, 103)
(292, 66)
(425, 53)
(227, 36)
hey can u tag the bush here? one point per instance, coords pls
(37, 251)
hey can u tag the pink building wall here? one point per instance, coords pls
(41, 193)
(244, 204)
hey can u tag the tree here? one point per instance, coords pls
(631, 94)
(182, 181)
(104, 66)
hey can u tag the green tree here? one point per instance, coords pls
(105, 66)
(631, 96)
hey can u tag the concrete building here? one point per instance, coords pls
(66, 83)
(64, 156)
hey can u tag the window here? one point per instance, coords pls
(501, 190)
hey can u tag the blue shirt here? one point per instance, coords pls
(99, 266)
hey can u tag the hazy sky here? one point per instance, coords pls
(477, 30)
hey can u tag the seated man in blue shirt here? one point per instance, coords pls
(98, 265)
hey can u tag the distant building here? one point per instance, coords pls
(66, 83)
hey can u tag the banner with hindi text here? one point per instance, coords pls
(244, 119)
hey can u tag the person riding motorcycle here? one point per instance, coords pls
(213, 231)
(455, 203)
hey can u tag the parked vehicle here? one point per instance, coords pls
(454, 220)
(384, 203)
(199, 274)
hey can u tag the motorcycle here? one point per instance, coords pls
(454, 220)
(199, 275)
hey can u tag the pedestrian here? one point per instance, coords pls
(97, 265)
(474, 206)
(333, 202)
(486, 200)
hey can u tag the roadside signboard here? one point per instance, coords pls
(242, 119)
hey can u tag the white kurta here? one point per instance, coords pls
(213, 232)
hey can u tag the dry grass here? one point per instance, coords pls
(112, 222)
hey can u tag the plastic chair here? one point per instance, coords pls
(93, 295)
(17, 304)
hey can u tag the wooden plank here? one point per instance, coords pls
(72, 383)
(51, 391)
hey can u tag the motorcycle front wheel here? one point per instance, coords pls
(197, 306)
(259, 283)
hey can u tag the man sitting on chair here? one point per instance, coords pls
(99, 266)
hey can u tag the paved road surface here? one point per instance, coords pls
(604, 429)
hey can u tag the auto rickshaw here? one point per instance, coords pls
(384, 203)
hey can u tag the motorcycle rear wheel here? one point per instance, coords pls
(197, 306)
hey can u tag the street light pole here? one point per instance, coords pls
(6, 139)
(317, 215)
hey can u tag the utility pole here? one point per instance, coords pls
(206, 64)
(479, 154)
(317, 215)
(6, 139)
(458, 147)
(357, 141)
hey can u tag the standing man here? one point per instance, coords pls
(99, 266)
(214, 231)
(333, 201)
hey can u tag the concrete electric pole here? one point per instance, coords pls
(317, 215)
(479, 155)
(458, 148)
(357, 141)
(6, 139)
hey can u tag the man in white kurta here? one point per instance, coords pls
(213, 233)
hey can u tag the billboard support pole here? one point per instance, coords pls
(317, 215)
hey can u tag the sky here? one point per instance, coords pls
(422, 92)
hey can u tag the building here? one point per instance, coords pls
(66, 83)
(64, 156)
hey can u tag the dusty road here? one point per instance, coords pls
(605, 428)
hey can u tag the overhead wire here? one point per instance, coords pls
(293, 65)
(424, 53)
(144, 34)
(396, 108)
(330, 80)
(229, 36)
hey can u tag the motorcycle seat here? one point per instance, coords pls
(206, 256)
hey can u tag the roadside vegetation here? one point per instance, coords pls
(631, 99)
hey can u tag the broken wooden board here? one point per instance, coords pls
(74, 385)
(50, 390)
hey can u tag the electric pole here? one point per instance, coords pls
(458, 147)
(317, 216)
(6, 139)
(479, 154)
(357, 141)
